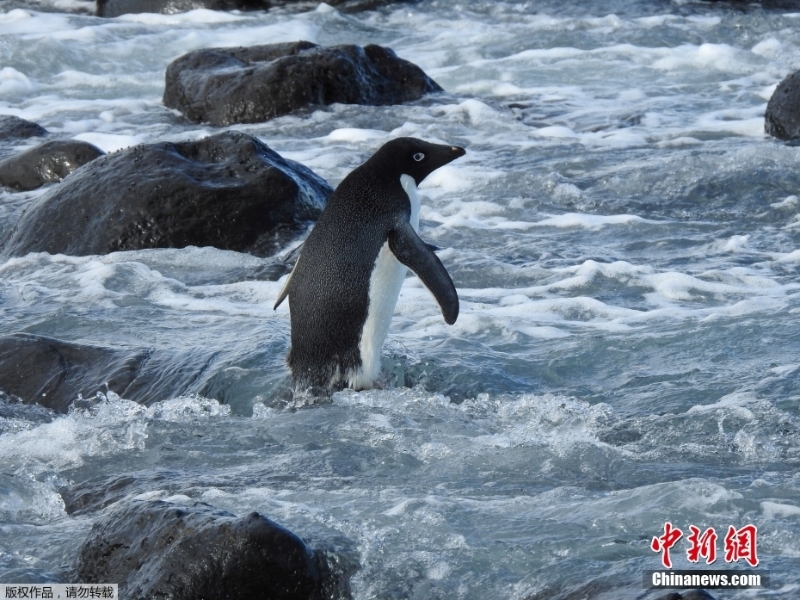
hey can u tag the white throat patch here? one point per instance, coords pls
(410, 187)
(384, 289)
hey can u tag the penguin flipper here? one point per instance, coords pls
(410, 250)
(284, 291)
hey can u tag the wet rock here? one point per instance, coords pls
(690, 595)
(46, 163)
(156, 549)
(85, 497)
(15, 128)
(52, 372)
(782, 119)
(222, 86)
(229, 191)
(620, 435)
(115, 8)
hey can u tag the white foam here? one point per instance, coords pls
(557, 131)
(719, 57)
(769, 48)
(682, 286)
(775, 510)
(246, 34)
(735, 402)
(453, 179)
(187, 408)
(591, 222)
(26, 500)
(788, 202)
(19, 22)
(247, 298)
(13, 82)
(736, 243)
(198, 15)
(790, 257)
(351, 134)
(109, 142)
(113, 426)
(748, 121)
(678, 142)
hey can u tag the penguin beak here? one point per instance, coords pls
(458, 151)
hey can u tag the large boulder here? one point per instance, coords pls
(229, 191)
(115, 8)
(782, 119)
(222, 86)
(15, 128)
(156, 549)
(46, 163)
(54, 373)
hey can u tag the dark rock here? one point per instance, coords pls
(115, 8)
(85, 497)
(53, 372)
(782, 119)
(155, 549)
(690, 595)
(94, 494)
(15, 128)
(222, 86)
(697, 595)
(229, 191)
(620, 436)
(46, 163)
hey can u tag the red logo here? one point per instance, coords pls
(702, 545)
(665, 542)
(739, 544)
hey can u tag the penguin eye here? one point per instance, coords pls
(419, 156)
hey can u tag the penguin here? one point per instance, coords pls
(344, 287)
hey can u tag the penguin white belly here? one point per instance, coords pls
(384, 290)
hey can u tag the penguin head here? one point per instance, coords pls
(417, 158)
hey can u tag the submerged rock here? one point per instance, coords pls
(53, 373)
(46, 163)
(12, 411)
(115, 8)
(89, 496)
(156, 549)
(16, 128)
(782, 119)
(222, 86)
(690, 595)
(229, 191)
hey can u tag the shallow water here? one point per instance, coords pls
(625, 241)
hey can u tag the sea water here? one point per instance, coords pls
(625, 241)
